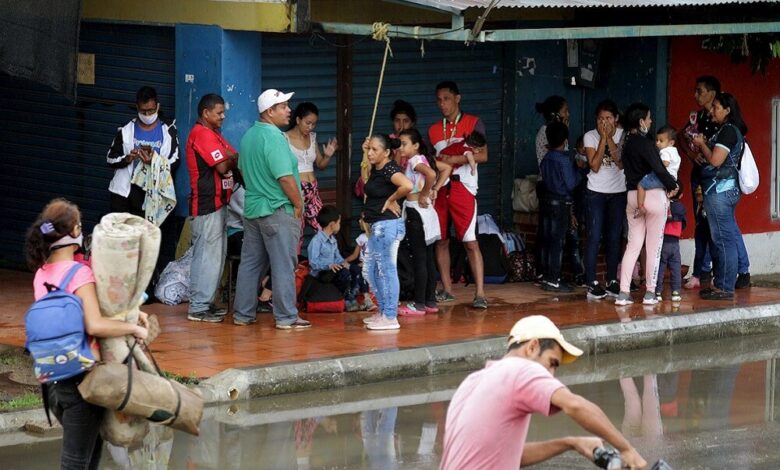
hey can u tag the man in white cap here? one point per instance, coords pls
(272, 215)
(488, 417)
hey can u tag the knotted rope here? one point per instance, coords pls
(379, 32)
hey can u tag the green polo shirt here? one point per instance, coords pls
(265, 156)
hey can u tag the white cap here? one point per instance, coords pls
(541, 327)
(270, 98)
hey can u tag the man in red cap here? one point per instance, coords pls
(488, 417)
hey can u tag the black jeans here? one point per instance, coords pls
(423, 258)
(556, 223)
(81, 442)
(606, 216)
(348, 281)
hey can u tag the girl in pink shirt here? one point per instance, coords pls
(50, 246)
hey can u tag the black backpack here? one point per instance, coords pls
(494, 258)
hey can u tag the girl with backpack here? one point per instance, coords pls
(50, 246)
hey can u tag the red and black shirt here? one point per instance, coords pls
(210, 190)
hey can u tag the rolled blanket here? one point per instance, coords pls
(124, 254)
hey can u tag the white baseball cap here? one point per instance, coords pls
(541, 327)
(272, 97)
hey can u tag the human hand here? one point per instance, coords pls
(673, 192)
(631, 459)
(393, 207)
(140, 332)
(586, 445)
(330, 148)
(146, 155)
(345, 265)
(143, 319)
(698, 139)
(422, 200)
(336, 267)
(433, 195)
(298, 212)
(134, 154)
(365, 144)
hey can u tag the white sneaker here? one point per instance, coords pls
(623, 299)
(649, 299)
(384, 323)
(373, 318)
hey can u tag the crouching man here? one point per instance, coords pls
(488, 417)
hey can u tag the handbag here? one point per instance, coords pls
(524, 197)
(123, 387)
(748, 171)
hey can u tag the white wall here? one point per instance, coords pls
(763, 250)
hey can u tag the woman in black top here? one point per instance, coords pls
(640, 157)
(386, 186)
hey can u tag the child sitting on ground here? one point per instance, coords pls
(664, 141)
(471, 144)
(670, 253)
(356, 258)
(327, 264)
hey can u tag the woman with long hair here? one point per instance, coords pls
(640, 157)
(385, 188)
(720, 186)
(303, 143)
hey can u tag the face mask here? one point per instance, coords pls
(148, 120)
(643, 130)
(68, 240)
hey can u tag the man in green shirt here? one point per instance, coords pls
(272, 215)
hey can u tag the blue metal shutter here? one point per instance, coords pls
(294, 63)
(409, 76)
(53, 148)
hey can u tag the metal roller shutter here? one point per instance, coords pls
(53, 148)
(409, 76)
(294, 63)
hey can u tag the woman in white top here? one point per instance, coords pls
(605, 198)
(303, 143)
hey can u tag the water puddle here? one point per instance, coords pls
(698, 406)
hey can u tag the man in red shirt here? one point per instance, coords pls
(488, 417)
(457, 201)
(210, 161)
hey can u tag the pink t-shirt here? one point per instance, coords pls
(53, 273)
(489, 415)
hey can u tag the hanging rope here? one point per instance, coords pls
(378, 32)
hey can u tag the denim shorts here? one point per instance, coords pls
(651, 181)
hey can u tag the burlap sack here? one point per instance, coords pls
(124, 388)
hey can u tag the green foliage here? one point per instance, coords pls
(27, 401)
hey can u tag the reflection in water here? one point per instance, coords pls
(708, 415)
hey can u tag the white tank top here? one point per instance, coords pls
(306, 157)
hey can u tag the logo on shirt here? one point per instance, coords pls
(217, 155)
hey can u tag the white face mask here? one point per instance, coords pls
(68, 240)
(148, 120)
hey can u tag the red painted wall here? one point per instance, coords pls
(754, 94)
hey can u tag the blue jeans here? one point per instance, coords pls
(670, 258)
(378, 430)
(651, 181)
(725, 234)
(81, 442)
(269, 242)
(379, 263)
(209, 240)
(606, 214)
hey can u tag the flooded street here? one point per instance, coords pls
(697, 406)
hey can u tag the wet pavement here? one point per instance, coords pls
(708, 405)
(204, 350)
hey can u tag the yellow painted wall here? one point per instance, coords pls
(246, 16)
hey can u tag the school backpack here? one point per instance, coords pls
(56, 338)
(320, 297)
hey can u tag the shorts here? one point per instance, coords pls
(455, 202)
(651, 181)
